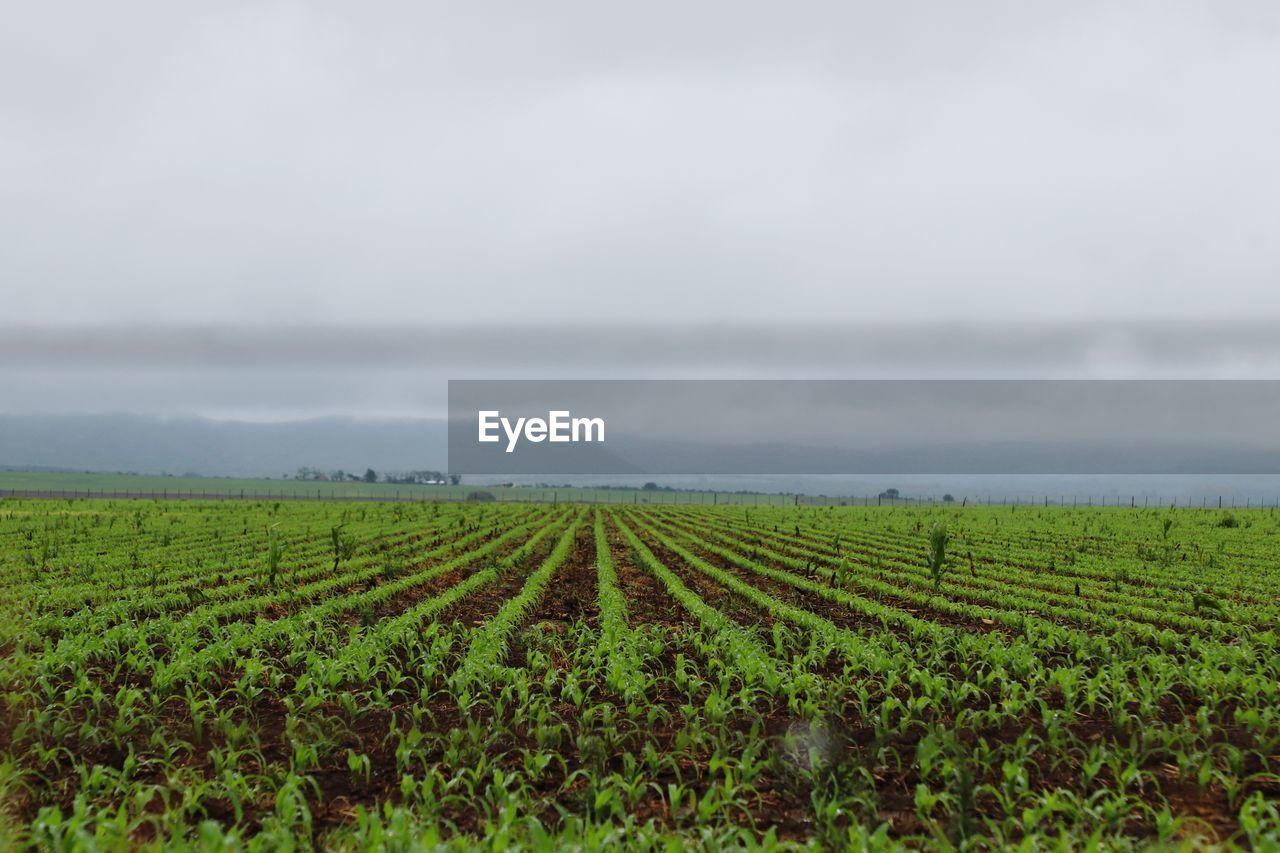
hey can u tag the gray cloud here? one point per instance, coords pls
(401, 371)
(318, 163)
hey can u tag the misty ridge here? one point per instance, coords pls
(150, 445)
(265, 401)
(178, 446)
(873, 426)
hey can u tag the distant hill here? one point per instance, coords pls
(149, 445)
(218, 448)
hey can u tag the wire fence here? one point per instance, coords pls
(665, 497)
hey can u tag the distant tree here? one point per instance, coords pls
(418, 477)
(370, 475)
(455, 479)
(948, 499)
(650, 487)
(890, 494)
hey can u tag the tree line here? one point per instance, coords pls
(408, 478)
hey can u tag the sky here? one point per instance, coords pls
(311, 165)
(272, 373)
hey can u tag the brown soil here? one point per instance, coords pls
(734, 606)
(569, 599)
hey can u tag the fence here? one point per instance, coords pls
(676, 498)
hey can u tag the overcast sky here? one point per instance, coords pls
(980, 190)
(308, 162)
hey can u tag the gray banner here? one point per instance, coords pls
(864, 427)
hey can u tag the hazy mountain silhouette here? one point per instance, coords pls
(149, 445)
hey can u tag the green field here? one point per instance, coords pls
(274, 675)
(113, 485)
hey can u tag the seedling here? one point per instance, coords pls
(344, 546)
(274, 553)
(938, 538)
(1202, 600)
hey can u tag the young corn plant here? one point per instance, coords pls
(344, 545)
(1119, 577)
(1203, 601)
(274, 553)
(938, 538)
